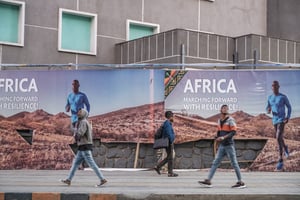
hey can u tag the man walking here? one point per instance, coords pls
(169, 133)
(84, 139)
(226, 130)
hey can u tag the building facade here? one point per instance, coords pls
(142, 31)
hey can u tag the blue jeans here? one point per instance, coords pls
(88, 158)
(228, 150)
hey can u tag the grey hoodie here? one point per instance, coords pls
(84, 130)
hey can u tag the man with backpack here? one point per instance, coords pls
(168, 132)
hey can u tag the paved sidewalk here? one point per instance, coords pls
(140, 184)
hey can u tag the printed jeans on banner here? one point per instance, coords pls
(279, 130)
(88, 158)
(228, 150)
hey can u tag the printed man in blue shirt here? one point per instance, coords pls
(277, 104)
(76, 101)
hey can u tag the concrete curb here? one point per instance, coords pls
(81, 196)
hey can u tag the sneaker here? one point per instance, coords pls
(157, 170)
(279, 165)
(286, 152)
(101, 183)
(239, 185)
(66, 181)
(172, 175)
(205, 183)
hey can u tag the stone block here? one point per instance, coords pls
(185, 152)
(74, 196)
(185, 163)
(121, 162)
(204, 144)
(249, 155)
(45, 196)
(255, 145)
(240, 144)
(196, 162)
(103, 197)
(18, 196)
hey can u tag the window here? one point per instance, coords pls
(12, 17)
(137, 29)
(77, 32)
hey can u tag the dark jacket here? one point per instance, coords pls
(227, 127)
(169, 131)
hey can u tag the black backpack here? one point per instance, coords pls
(159, 132)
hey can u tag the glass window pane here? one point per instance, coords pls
(138, 31)
(9, 22)
(76, 32)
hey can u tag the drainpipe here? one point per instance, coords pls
(235, 59)
(254, 59)
(182, 54)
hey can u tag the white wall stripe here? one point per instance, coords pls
(295, 51)
(286, 51)
(267, 61)
(134, 49)
(198, 46)
(148, 48)
(246, 60)
(143, 9)
(245, 48)
(142, 48)
(0, 55)
(187, 43)
(218, 47)
(127, 52)
(235, 48)
(42, 27)
(121, 54)
(172, 43)
(227, 48)
(199, 15)
(269, 49)
(277, 50)
(164, 44)
(207, 53)
(156, 46)
(111, 37)
(178, 55)
(259, 47)
(210, 59)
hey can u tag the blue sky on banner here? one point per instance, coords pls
(107, 90)
(203, 92)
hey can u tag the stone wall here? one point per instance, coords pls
(191, 155)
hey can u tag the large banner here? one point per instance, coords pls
(125, 105)
(128, 105)
(196, 98)
(203, 92)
